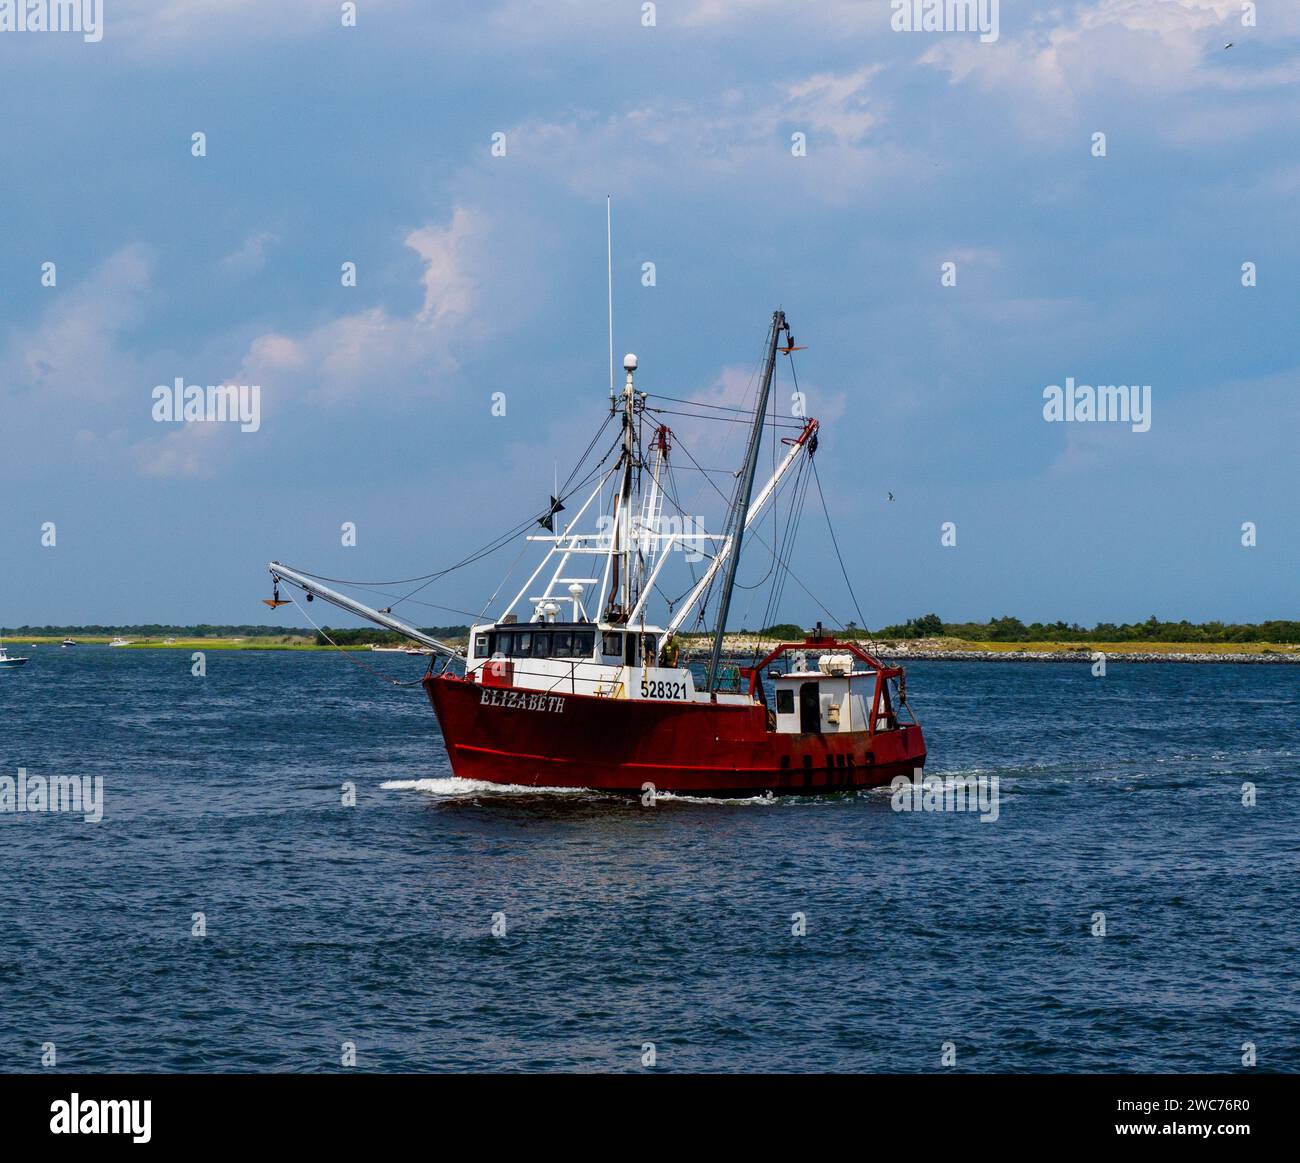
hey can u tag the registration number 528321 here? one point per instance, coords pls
(662, 688)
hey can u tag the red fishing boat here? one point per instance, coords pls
(571, 686)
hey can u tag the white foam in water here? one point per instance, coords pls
(455, 786)
(723, 801)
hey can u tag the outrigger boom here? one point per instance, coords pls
(314, 588)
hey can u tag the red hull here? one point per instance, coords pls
(515, 736)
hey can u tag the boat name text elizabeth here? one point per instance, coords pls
(521, 700)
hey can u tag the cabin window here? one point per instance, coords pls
(785, 702)
(612, 644)
(541, 643)
(481, 645)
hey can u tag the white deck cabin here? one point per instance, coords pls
(581, 658)
(831, 699)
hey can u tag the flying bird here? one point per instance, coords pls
(891, 496)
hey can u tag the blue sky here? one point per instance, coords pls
(479, 274)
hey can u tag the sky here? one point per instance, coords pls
(760, 155)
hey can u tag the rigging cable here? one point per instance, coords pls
(789, 424)
(348, 654)
(786, 552)
(776, 517)
(845, 572)
(502, 542)
(486, 550)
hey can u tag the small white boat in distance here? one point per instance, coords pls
(119, 642)
(67, 642)
(7, 660)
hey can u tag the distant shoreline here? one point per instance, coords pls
(958, 650)
(249, 643)
(740, 648)
(1189, 652)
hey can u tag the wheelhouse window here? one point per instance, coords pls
(560, 643)
(785, 702)
(612, 644)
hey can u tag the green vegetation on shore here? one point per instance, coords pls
(997, 635)
(203, 630)
(1227, 649)
(205, 637)
(1008, 629)
(263, 642)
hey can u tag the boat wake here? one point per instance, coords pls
(454, 787)
(672, 797)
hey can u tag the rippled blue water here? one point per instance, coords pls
(628, 925)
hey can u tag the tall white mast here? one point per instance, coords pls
(621, 547)
(609, 285)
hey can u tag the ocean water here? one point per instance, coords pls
(371, 925)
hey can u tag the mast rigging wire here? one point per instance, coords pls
(487, 550)
(861, 621)
(348, 653)
(780, 566)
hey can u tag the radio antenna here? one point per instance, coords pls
(609, 282)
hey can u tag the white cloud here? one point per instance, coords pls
(976, 256)
(165, 26)
(1115, 51)
(71, 357)
(370, 354)
(734, 137)
(73, 372)
(190, 451)
(846, 16)
(837, 104)
(448, 289)
(250, 256)
(374, 351)
(531, 21)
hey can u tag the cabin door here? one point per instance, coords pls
(810, 708)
